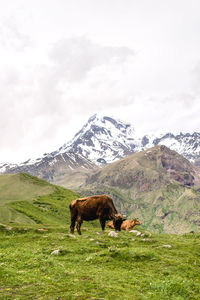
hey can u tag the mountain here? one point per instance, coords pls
(158, 186)
(102, 140)
(26, 199)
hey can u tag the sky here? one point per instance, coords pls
(61, 61)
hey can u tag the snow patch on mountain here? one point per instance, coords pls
(5, 166)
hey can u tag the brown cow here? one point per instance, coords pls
(95, 207)
(126, 225)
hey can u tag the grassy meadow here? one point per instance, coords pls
(97, 266)
(34, 222)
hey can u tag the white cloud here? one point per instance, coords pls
(12, 37)
(38, 100)
(196, 78)
(61, 63)
(75, 57)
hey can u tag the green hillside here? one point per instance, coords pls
(158, 186)
(26, 199)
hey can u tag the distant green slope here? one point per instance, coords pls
(26, 199)
(24, 187)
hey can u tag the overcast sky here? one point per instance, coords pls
(62, 61)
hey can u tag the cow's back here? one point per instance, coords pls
(89, 208)
(96, 201)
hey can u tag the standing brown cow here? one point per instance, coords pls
(95, 207)
(126, 225)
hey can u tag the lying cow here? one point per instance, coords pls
(126, 225)
(95, 207)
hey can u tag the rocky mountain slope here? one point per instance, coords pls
(158, 186)
(187, 144)
(52, 166)
(101, 141)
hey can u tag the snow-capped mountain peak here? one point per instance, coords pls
(102, 140)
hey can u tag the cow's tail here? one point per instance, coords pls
(72, 204)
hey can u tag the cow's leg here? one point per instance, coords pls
(78, 225)
(102, 222)
(73, 222)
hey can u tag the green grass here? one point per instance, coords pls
(26, 199)
(22, 187)
(47, 209)
(96, 266)
(91, 266)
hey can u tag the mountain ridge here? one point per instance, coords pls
(103, 140)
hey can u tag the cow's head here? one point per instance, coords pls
(137, 222)
(117, 221)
